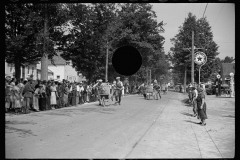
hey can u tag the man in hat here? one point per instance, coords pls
(119, 88)
(218, 83)
(98, 86)
(27, 93)
(157, 89)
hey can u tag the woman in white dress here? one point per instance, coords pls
(123, 91)
(36, 98)
(53, 100)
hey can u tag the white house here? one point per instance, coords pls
(63, 69)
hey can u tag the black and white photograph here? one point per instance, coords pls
(119, 80)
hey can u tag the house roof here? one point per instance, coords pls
(58, 60)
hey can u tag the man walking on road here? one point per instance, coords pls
(157, 90)
(119, 88)
(98, 87)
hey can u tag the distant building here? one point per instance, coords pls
(226, 69)
(50, 73)
(63, 69)
(28, 69)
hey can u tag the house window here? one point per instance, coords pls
(67, 63)
(58, 77)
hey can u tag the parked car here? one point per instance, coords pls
(177, 87)
(210, 89)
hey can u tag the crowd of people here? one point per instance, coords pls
(25, 95)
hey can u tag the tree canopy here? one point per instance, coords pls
(24, 32)
(98, 26)
(203, 38)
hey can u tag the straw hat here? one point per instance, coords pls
(118, 78)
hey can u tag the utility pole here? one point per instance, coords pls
(106, 75)
(185, 77)
(44, 59)
(192, 61)
(192, 72)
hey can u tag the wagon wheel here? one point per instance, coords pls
(103, 101)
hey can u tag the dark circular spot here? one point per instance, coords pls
(126, 60)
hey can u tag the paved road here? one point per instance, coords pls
(138, 128)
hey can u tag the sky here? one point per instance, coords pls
(221, 18)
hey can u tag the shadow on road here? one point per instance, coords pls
(192, 122)
(20, 122)
(229, 116)
(22, 132)
(186, 114)
(185, 101)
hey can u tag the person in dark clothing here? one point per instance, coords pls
(201, 106)
(70, 94)
(85, 93)
(48, 95)
(119, 88)
(42, 97)
(218, 83)
(27, 93)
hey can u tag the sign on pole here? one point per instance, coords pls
(200, 59)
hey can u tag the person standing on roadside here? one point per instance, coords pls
(21, 86)
(201, 106)
(48, 95)
(42, 96)
(164, 88)
(27, 93)
(36, 97)
(8, 95)
(194, 102)
(16, 98)
(190, 93)
(53, 99)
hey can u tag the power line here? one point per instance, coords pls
(205, 10)
(218, 14)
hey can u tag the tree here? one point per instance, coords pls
(227, 60)
(20, 39)
(84, 44)
(136, 26)
(27, 40)
(203, 39)
(215, 68)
